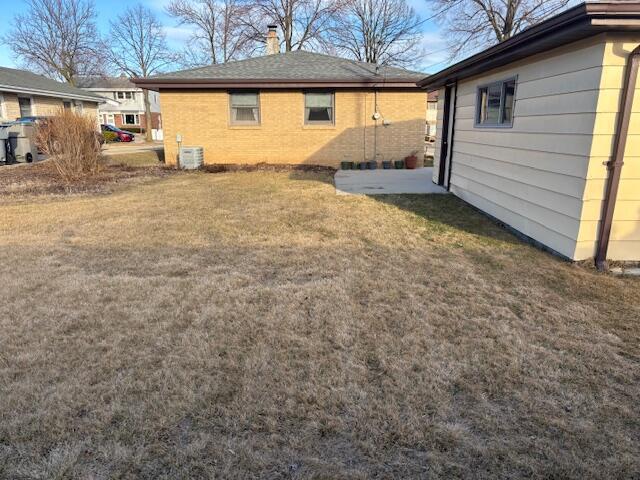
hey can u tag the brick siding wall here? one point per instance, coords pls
(202, 118)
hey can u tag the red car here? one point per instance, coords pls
(123, 135)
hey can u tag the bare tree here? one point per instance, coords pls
(474, 24)
(303, 23)
(57, 38)
(379, 31)
(219, 35)
(139, 49)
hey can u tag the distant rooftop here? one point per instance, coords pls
(22, 81)
(105, 82)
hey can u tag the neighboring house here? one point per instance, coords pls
(125, 108)
(25, 94)
(292, 108)
(528, 132)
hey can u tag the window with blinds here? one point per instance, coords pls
(245, 108)
(495, 104)
(318, 108)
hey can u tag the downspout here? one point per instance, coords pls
(453, 132)
(614, 166)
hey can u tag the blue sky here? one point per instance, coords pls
(176, 36)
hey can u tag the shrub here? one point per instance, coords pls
(132, 129)
(109, 137)
(72, 141)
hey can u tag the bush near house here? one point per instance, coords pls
(109, 137)
(71, 140)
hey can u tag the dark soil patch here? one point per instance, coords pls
(43, 179)
(266, 167)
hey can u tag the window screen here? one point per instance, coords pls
(245, 108)
(495, 103)
(318, 108)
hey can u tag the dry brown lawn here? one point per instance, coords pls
(256, 325)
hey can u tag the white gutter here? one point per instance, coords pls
(49, 93)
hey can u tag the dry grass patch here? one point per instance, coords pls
(256, 325)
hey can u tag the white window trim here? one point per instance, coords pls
(3, 107)
(136, 118)
(34, 111)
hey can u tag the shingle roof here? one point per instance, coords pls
(291, 66)
(27, 82)
(105, 82)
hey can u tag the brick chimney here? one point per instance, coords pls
(273, 44)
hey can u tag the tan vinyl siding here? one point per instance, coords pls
(625, 232)
(532, 176)
(41, 106)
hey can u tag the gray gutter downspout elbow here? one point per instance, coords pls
(614, 166)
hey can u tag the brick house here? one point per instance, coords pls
(124, 107)
(291, 108)
(26, 94)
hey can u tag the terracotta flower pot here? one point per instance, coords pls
(411, 162)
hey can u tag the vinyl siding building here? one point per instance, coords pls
(124, 103)
(526, 130)
(292, 108)
(26, 94)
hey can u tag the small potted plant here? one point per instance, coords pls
(411, 161)
(398, 164)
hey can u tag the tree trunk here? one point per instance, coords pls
(147, 116)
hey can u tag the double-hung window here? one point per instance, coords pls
(495, 104)
(318, 108)
(244, 108)
(26, 109)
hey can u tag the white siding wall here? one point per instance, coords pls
(532, 176)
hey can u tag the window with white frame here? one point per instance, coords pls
(131, 119)
(119, 95)
(26, 109)
(318, 108)
(66, 104)
(494, 104)
(79, 106)
(244, 108)
(3, 107)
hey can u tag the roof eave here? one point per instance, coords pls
(50, 93)
(213, 83)
(580, 22)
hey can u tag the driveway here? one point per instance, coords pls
(133, 147)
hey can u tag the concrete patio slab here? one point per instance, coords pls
(386, 182)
